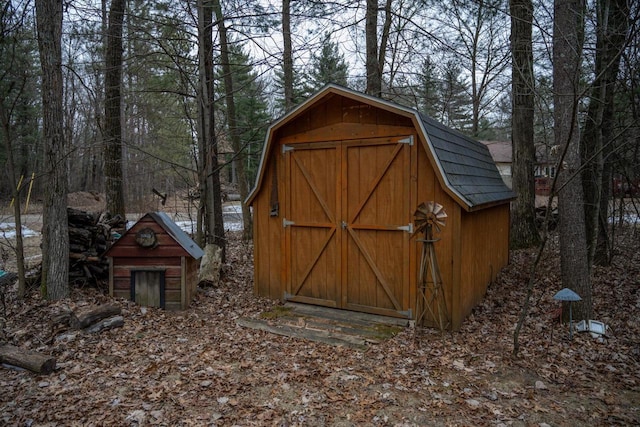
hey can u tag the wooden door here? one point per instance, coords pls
(347, 220)
(147, 288)
(377, 223)
(311, 220)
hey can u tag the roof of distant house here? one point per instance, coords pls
(501, 151)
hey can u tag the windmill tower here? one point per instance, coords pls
(431, 305)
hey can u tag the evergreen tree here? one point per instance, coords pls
(455, 98)
(327, 66)
(19, 96)
(299, 93)
(429, 90)
(251, 107)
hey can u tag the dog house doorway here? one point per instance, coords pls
(148, 287)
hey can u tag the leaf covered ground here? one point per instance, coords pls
(199, 367)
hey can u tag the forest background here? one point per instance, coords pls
(128, 97)
(123, 97)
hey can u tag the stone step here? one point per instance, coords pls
(327, 325)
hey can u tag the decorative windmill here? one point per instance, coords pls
(428, 216)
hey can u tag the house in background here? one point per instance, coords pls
(544, 168)
(502, 155)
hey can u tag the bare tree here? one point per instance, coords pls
(211, 200)
(596, 144)
(5, 123)
(112, 110)
(15, 76)
(232, 121)
(55, 230)
(523, 228)
(374, 73)
(376, 50)
(474, 33)
(287, 56)
(568, 35)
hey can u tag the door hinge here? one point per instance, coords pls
(408, 228)
(407, 140)
(286, 148)
(286, 222)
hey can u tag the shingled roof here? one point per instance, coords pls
(177, 233)
(465, 165)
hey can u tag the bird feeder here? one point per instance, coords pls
(567, 294)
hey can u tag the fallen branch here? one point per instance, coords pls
(110, 323)
(30, 360)
(88, 316)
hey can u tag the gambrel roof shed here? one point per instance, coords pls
(339, 181)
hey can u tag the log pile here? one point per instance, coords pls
(87, 320)
(90, 235)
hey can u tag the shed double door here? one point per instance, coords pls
(348, 224)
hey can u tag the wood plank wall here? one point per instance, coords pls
(472, 247)
(169, 256)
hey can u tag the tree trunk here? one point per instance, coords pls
(612, 27)
(604, 244)
(384, 41)
(232, 122)
(523, 228)
(374, 77)
(210, 191)
(113, 126)
(567, 52)
(15, 194)
(287, 56)
(55, 235)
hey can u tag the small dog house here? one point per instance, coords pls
(339, 181)
(155, 263)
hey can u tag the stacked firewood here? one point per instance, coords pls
(90, 235)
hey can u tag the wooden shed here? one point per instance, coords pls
(339, 181)
(155, 263)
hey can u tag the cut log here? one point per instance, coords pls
(83, 257)
(93, 314)
(111, 322)
(80, 236)
(30, 360)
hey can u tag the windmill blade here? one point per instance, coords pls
(429, 213)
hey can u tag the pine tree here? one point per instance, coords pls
(455, 98)
(327, 66)
(251, 109)
(299, 93)
(429, 90)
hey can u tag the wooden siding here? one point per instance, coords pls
(126, 246)
(268, 239)
(336, 149)
(180, 269)
(484, 252)
(429, 189)
(332, 117)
